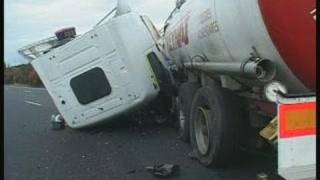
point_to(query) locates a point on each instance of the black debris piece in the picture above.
(163, 170)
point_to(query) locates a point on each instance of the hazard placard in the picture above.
(297, 119)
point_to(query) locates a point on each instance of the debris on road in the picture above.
(262, 176)
(57, 122)
(163, 170)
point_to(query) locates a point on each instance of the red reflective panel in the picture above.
(297, 120)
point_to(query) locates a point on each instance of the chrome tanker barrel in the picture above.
(226, 37)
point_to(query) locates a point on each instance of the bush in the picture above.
(22, 74)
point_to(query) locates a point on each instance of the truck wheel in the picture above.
(185, 95)
(214, 126)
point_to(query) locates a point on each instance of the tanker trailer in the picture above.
(237, 62)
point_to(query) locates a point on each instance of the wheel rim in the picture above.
(202, 130)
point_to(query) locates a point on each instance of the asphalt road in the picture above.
(119, 150)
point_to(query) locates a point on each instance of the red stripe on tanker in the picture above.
(292, 27)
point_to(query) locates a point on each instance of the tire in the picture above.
(184, 101)
(214, 126)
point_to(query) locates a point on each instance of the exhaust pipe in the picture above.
(264, 70)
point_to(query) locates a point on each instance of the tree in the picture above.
(34, 78)
(21, 74)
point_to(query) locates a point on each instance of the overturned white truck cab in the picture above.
(108, 71)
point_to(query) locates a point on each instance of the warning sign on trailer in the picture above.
(297, 119)
(297, 140)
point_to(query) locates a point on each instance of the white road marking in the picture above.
(33, 103)
(27, 91)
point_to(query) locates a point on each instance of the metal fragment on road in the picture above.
(57, 122)
(163, 170)
(262, 176)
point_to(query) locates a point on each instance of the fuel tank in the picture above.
(283, 31)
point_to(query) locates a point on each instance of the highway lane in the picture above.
(108, 152)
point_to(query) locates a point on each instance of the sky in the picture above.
(27, 21)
